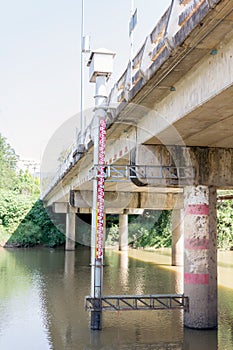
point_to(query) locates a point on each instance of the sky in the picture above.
(40, 49)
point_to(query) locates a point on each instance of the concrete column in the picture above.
(177, 237)
(123, 232)
(200, 256)
(70, 228)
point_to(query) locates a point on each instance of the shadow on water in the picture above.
(55, 283)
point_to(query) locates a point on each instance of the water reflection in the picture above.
(124, 271)
(22, 309)
(179, 282)
(201, 340)
(42, 305)
(69, 264)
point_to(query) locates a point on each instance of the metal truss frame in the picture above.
(124, 173)
(137, 302)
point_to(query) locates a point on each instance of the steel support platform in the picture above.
(124, 173)
(137, 302)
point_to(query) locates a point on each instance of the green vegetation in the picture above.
(152, 229)
(23, 219)
(36, 228)
(225, 224)
(25, 222)
(8, 162)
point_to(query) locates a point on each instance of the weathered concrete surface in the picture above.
(199, 165)
(130, 200)
(200, 256)
(123, 232)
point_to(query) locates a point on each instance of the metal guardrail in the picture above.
(142, 172)
(137, 302)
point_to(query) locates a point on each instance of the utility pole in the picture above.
(132, 24)
(85, 48)
(100, 63)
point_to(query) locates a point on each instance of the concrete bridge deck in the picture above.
(181, 93)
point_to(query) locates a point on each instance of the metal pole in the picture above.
(131, 46)
(81, 75)
(97, 234)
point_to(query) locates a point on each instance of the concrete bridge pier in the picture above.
(200, 256)
(177, 237)
(70, 211)
(70, 228)
(123, 232)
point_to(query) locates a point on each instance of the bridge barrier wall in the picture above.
(180, 19)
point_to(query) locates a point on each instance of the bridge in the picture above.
(169, 145)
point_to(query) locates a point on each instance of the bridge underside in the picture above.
(209, 125)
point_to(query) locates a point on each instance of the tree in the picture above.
(23, 219)
(224, 224)
(8, 163)
(27, 185)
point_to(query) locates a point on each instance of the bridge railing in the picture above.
(124, 173)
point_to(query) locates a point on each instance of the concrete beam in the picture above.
(193, 165)
(60, 207)
(213, 166)
(135, 211)
(209, 166)
(131, 200)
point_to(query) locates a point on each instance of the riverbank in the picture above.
(162, 258)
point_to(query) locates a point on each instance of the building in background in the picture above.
(30, 165)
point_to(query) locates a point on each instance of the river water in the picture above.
(42, 303)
